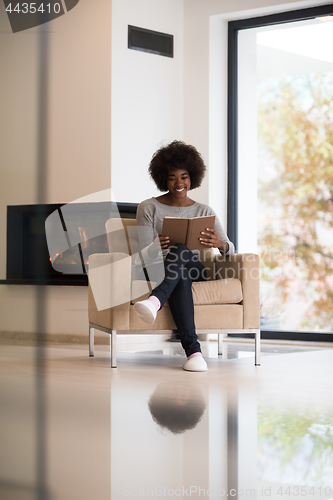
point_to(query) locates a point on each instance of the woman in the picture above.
(177, 168)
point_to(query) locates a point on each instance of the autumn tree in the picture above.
(295, 132)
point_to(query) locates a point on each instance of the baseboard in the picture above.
(64, 338)
(72, 338)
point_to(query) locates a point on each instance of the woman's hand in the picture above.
(164, 241)
(160, 242)
(211, 239)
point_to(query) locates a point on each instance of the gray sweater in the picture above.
(150, 215)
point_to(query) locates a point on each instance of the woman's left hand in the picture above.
(211, 239)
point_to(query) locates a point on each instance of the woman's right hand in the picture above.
(164, 241)
(160, 242)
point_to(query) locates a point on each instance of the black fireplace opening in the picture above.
(77, 231)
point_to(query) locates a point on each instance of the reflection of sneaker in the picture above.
(196, 364)
(146, 311)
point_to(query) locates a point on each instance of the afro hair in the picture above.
(176, 155)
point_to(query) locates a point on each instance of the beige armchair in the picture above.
(227, 303)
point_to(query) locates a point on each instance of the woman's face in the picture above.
(178, 182)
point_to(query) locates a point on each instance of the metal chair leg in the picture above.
(91, 342)
(220, 344)
(113, 347)
(257, 347)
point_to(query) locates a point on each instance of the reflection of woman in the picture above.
(177, 168)
(178, 407)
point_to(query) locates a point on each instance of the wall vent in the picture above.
(150, 41)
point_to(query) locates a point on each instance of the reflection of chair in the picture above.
(227, 303)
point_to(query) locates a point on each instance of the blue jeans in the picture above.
(182, 268)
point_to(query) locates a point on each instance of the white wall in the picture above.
(147, 94)
(247, 142)
(19, 66)
(78, 141)
(19, 83)
(79, 102)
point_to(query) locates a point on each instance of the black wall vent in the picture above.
(150, 41)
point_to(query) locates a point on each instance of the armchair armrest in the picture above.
(245, 267)
(110, 279)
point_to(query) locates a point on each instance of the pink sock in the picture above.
(195, 355)
(155, 301)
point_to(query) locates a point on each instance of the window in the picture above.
(280, 166)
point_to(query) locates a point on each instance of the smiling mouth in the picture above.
(179, 190)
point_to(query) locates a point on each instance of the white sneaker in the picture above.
(196, 364)
(146, 311)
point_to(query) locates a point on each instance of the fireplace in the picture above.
(60, 257)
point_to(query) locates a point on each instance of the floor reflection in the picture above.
(176, 407)
(148, 429)
(237, 431)
(296, 446)
(182, 436)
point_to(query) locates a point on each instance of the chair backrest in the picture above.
(122, 235)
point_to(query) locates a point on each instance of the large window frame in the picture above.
(232, 134)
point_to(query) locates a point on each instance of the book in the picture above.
(187, 230)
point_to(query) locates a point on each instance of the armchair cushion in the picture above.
(228, 291)
(245, 267)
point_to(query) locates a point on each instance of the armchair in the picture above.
(227, 303)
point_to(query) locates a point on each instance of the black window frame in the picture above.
(232, 133)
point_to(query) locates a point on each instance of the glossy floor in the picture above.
(73, 428)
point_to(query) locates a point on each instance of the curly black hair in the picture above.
(176, 155)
